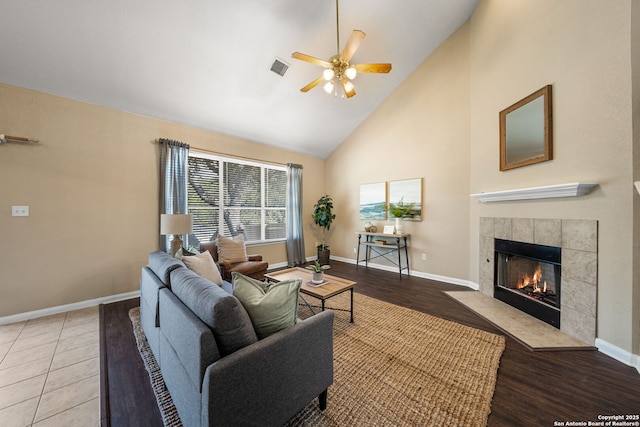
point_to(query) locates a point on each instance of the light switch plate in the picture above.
(19, 210)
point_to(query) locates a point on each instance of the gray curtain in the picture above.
(173, 181)
(295, 237)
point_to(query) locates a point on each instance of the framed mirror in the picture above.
(526, 131)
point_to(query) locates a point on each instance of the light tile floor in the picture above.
(50, 371)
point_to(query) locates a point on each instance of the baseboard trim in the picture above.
(436, 277)
(20, 317)
(618, 353)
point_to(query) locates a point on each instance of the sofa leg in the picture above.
(323, 400)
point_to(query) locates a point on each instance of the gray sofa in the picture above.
(217, 372)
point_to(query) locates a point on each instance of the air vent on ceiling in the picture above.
(279, 67)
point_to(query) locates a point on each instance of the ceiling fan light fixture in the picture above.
(328, 87)
(328, 74)
(348, 86)
(339, 68)
(351, 73)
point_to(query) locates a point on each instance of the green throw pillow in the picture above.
(271, 306)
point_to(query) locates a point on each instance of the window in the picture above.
(232, 196)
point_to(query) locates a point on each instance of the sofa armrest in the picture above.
(225, 268)
(270, 381)
(254, 257)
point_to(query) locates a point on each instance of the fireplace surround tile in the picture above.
(580, 265)
(581, 296)
(522, 229)
(578, 324)
(547, 232)
(579, 242)
(486, 264)
(580, 235)
(503, 228)
(487, 227)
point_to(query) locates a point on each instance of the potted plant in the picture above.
(323, 217)
(400, 210)
(318, 271)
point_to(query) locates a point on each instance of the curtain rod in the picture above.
(9, 138)
(238, 157)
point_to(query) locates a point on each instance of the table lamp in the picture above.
(176, 224)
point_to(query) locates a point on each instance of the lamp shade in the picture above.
(176, 224)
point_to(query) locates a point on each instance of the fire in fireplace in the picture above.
(527, 277)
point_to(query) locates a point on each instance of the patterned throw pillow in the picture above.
(232, 250)
(203, 265)
(271, 306)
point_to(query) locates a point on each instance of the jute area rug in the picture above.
(396, 367)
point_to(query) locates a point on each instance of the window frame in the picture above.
(222, 159)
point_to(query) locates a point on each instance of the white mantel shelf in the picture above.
(572, 189)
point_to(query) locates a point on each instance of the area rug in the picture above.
(399, 367)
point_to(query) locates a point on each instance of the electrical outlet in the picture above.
(424, 257)
(19, 210)
(354, 250)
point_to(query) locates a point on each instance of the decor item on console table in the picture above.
(394, 244)
(399, 211)
(369, 227)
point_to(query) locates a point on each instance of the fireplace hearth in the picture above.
(527, 277)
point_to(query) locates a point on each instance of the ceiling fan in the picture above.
(339, 68)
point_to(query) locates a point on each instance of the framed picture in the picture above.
(373, 201)
(406, 195)
(389, 229)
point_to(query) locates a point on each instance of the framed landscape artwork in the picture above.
(409, 192)
(373, 201)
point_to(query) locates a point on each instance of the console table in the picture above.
(385, 246)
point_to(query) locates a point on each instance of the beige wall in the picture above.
(91, 185)
(420, 131)
(442, 124)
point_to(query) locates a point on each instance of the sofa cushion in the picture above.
(203, 265)
(219, 310)
(232, 250)
(162, 264)
(271, 306)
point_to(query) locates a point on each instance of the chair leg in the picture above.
(323, 400)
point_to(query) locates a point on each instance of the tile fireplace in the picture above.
(571, 280)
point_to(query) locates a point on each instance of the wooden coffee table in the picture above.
(333, 285)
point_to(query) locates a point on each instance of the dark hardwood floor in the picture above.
(123, 378)
(532, 389)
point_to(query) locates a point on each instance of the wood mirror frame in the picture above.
(526, 131)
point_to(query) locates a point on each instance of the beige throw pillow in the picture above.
(203, 265)
(232, 250)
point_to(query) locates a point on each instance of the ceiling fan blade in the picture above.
(372, 68)
(312, 59)
(348, 93)
(352, 44)
(313, 84)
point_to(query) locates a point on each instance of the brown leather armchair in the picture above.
(254, 267)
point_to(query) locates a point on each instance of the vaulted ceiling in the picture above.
(206, 63)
